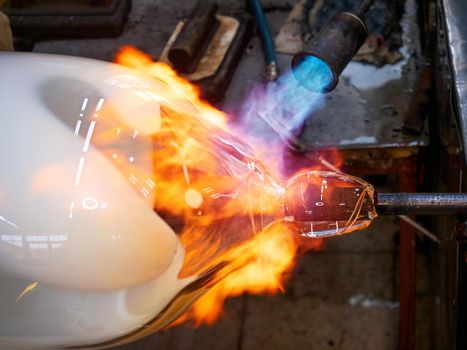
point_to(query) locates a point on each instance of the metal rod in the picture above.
(421, 203)
(196, 33)
(364, 7)
(419, 228)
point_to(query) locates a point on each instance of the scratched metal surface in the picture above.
(455, 25)
(367, 109)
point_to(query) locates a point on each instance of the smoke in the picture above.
(274, 112)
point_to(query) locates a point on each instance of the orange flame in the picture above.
(258, 266)
(213, 227)
(134, 58)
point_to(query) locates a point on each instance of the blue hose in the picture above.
(268, 44)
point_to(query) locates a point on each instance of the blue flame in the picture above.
(284, 105)
(314, 74)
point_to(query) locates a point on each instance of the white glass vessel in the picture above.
(82, 253)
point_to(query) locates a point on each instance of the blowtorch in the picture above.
(334, 47)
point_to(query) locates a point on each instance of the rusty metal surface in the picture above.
(60, 8)
(197, 32)
(215, 51)
(408, 171)
(73, 19)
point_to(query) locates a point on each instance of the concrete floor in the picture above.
(344, 297)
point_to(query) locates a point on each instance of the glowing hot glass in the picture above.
(321, 203)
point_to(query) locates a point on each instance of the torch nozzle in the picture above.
(335, 45)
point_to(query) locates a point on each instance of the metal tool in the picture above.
(335, 45)
(389, 204)
(190, 44)
(351, 208)
(323, 203)
(206, 47)
(421, 203)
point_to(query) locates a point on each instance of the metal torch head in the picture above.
(318, 67)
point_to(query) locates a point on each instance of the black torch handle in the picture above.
(421, 203)
(364, 7)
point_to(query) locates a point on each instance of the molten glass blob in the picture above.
(320, 203)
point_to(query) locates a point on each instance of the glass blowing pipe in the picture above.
(420, 203)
